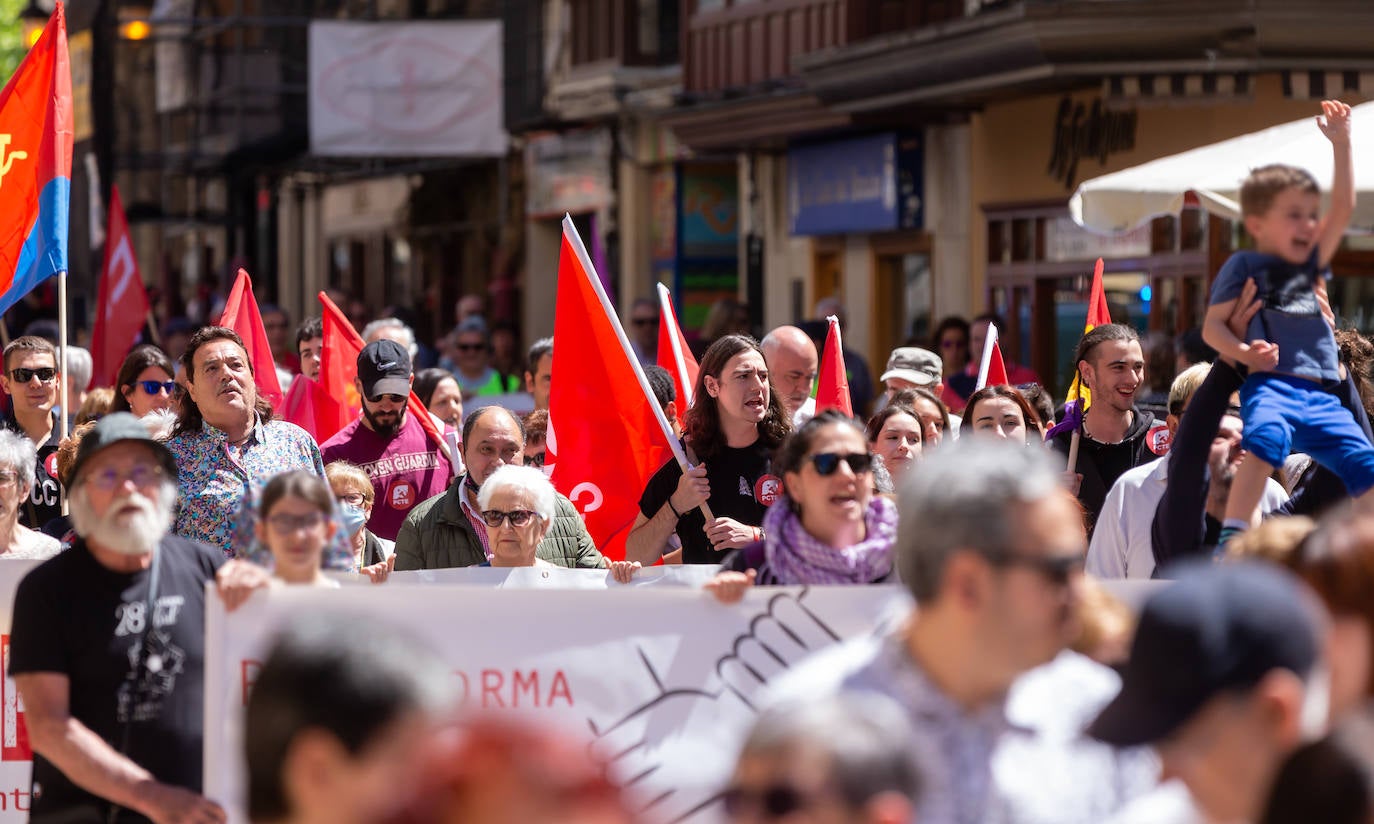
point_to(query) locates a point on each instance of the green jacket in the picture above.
(437, 535)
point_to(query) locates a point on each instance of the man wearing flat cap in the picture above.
(108, 639)
(1224, 681)
(389, 445)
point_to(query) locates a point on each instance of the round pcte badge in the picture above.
(768, 489)
(401, 495)
(1159, 439)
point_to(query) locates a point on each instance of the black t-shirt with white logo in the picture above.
(742, 488)
(78, 618)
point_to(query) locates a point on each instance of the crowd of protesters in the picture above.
(1021, 690)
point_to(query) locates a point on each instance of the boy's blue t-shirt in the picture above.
(1290, 316)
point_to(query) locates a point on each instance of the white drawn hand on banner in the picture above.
(639, 745)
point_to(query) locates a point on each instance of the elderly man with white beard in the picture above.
(107, 642)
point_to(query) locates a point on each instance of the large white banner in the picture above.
(406, 89)
(15, 757)
(660, 673)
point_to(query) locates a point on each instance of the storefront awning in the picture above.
(1123, 200)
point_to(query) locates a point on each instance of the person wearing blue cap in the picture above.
(1225, 679)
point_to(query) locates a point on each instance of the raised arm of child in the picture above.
(1335, 124)
(1258, 355)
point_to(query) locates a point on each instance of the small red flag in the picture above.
(241, 314)
(992, 370)
(339, 370)
(122, 302)
(311, 408)
(678, 361)
(608, 440)
(832, 392)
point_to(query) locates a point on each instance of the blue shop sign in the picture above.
(865, 184)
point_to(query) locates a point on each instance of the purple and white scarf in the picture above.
(797, 557)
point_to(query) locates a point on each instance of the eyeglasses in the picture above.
(1057, 569)
(827, 462)
(536, 460)
(8, 477)
(645, 321)
(284, 524)
(45, 374)
(155, 387)
(775, 801)
(517, 517)
(470, 347)
(142, 476)
(387, 397)
(351, 498)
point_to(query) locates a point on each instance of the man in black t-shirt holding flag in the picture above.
(108, 639)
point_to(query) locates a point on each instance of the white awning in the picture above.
(1122, 200)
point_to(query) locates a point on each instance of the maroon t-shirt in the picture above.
(405, 470)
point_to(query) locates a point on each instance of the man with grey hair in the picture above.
(841, 758)
(77, 376)
(471, 361)
(108, 638)
(992, 548)
(17, 459)
(392, 329)
(792, 362)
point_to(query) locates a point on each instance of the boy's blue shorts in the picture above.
(1283, 413)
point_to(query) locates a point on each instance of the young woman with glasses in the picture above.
(296, 523)
(829, 527)
(145, 382)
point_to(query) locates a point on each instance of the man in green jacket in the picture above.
(448, 531)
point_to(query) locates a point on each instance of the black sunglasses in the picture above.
(44, 373)
(517, 517)
(776, 801)
(470, 347)
(386, 396)
(645, 321)
(154, 387)
(827, 462)
(1057, 569)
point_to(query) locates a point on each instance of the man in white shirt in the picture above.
(1121, 544)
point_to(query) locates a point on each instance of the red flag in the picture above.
(122, 303)
(339, 370)
(310, 407)
(609, 441)
(832, 392)
(992, 370)
(678, 361)
(36, 134)
(241, 314)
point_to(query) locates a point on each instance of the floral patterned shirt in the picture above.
(219, 484)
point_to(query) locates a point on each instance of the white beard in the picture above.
(135, 533)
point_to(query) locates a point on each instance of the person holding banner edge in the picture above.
(732, 430)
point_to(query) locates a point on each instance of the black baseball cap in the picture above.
(114, 428)
(384, 369)
(1217, 628)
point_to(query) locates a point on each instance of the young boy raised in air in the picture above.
(1291, 352)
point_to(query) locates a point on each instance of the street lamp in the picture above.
(32, 20)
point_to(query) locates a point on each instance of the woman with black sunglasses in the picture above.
(145, 382)
(829, 527)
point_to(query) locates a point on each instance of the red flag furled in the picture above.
(36, 164)
(832, 391)
(992, 370)
(605, 437)
(339, 372)
(122, 303)
(241, 314)
(674, 355)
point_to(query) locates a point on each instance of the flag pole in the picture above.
(988, 343)
(570, 232)
(665, 302)
(62, 354)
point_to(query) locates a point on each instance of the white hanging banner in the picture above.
(430, 89)
(662, 674)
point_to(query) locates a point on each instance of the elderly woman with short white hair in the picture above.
(18, 460)
(517, 504)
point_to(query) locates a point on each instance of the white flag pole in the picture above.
(570, 232)
(665, 304)
(988, 343)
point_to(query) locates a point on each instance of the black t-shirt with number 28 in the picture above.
(75, 617)
(742, 488)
